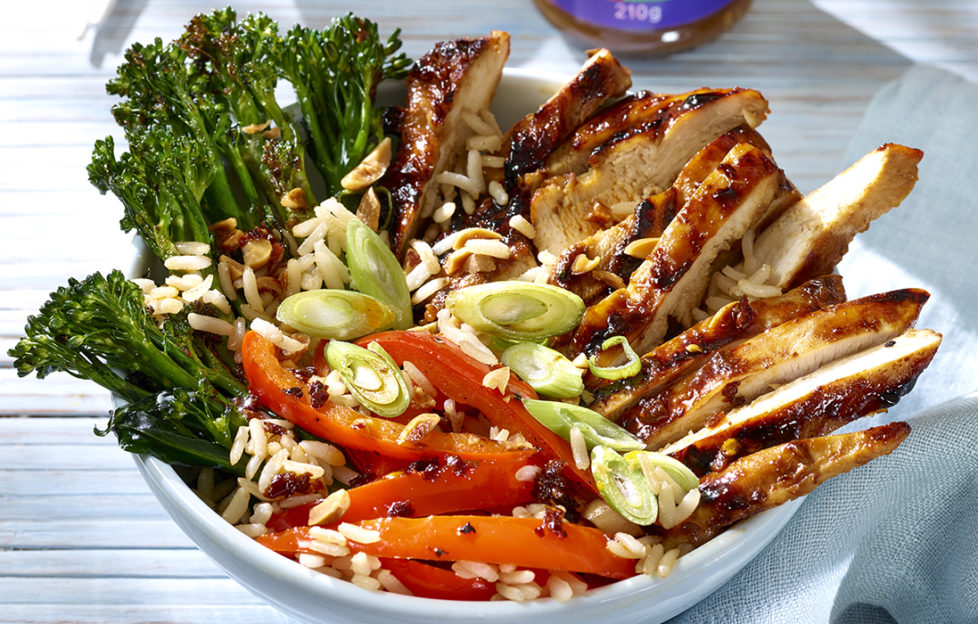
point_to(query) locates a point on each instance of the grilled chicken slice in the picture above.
(736, 375)
(649, 220)
(812, 236)
(777, 475)
(533, 138)
(633, 161)
(454, 77)
(731, 324)
(672, 280)
(813, 405)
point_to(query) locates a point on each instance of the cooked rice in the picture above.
(521, 225)
(527, 473)
(334, 273)
(274, 335)
(210, 324)
(491, 248)
(428, 289)
(391, 583)
(476, 569)
(498, 193)
(237, 506)
(358, 534)
(417, 277)
(579, 448)
(187, 263)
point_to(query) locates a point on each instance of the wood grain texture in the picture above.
(81, 537)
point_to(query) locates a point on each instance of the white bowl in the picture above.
(315, 597)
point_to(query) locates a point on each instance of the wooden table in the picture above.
(81, 537)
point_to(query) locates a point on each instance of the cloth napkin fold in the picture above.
(897, 540)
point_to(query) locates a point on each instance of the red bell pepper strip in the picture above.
(524, 542)
(468, 486)
(459, 377)
(268, 381)
(428, 581)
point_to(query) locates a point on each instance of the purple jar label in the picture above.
(640, 14)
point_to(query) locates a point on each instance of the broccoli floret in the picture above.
(335, 73)
(179, 426)
(98, 329)
(235, 61)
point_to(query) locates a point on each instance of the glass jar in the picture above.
(656, 26)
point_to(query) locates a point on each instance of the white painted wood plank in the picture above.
(246, 610)
(143, 563)
(86, 533)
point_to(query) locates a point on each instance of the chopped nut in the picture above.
(369, 209)
(331, 509)
(474, 233)
(235, 268)
(456, 261)
(694, 348)
(274, 133)
(599, 215)
(256, 252)
(294, 199)
(641, 248)
(582, 264)
(370, 168)
(256, 128)
(418, 428)
(478, 263)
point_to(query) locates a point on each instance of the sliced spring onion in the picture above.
(598, 430)
(547, 371)
(371, 376)
(628, 369)
(517, 310)
(623, 486)
(376, 272)
(683, 476)
(342, 314)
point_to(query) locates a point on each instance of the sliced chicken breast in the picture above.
(737, 375)
(777, 475)
(731, 325)
(607, 248)
(812, 235)
(455, 77)
(672, 280)
(535, 136)
(813, 405)
(635, 161)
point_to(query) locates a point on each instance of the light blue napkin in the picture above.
(897, 540)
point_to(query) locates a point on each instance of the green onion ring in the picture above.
(629, 369)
